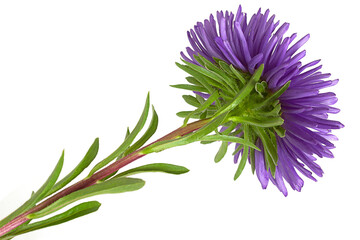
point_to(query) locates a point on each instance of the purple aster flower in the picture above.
(247, 45)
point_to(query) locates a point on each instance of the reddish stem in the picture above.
(101, 174)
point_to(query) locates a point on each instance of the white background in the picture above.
(71, 71)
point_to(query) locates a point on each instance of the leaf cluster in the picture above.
(115, 183)
(253, 112)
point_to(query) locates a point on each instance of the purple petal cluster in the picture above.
(305, 108)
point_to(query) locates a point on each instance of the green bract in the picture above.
(252, 110)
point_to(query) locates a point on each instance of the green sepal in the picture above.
(280, 131)
(191, 100)
(258, 121)
(193, 81)
(200, 99)
(221, 152)
(218, 137)
(213, 97)
(226, 68)
(220, 76)
(260, 88)
(211, 77)
(202, 79)
(84, 163)
(274, 96)
(208, 113)
(245, 153)
(272, 113)
(238, 74)
(270, 148)
(238, 149)
(154, 167)
(39, 194)
(244, 92)
(140, 124)
(75, 212)
(252, 153)
(190, 87)
(117, 185)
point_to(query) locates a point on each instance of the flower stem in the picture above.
(101, 174)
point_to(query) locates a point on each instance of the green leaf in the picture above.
(226, 68)
(211, 77)
(275, 112)
(154, 167)
(245, 153)
(280, 131)
(238, 149)
(244, 92)
(220, 75)
(85, 162)
(193, 137)
(202, 79)
(238, 74)
(213, 97)
(193, 81)
(200, 99)
(218, 137)
(39, 194)
(149, 132)
(209, 113)
(127, 133)
(252, 153)
(269, 147)
(140, 124)
(221, 153)
(258, 121)
(190, 87)
(75, 212)
(208, 128)
(191, 100)
(116, 185)
(274, 96)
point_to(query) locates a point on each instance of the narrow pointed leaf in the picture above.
(225, 67)
(73, 213)
(252, 154)
(271, 155)
(191, 100)
(259, 121)
(193, 81)
(190, 87)
(238, 75)
(39, 194)
(117, 185)
(205, 72)
(127, 133)
(230, 139)
(245, 153)
(244, 92)
(149, 132)
(274, 96)
(201, 78)
(155, 167)
(140, 124)
(221, 153)
(193, 137)
(213, 97)
(85, 162)
(280, 131)
(220, 75)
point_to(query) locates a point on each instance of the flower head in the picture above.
(294, 122)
